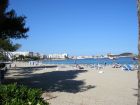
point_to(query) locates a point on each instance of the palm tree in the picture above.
(138, 74)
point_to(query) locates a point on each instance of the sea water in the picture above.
(121, 60)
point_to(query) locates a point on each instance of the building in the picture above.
(57, 56)
(36, 55)
(20, 53)
(31, 54)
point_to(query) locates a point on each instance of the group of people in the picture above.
(34, 63)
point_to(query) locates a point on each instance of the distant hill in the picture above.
(127, 54)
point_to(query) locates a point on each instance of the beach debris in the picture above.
(100, 72)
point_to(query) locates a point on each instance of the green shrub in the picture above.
(2, 57)
(13, 94)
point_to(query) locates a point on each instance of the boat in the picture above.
(112, 58)
(135, 58)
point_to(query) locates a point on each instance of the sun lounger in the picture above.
(134, 67)
(99, 66)
(116, 65)
(127, 68)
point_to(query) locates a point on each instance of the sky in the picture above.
(79, 27)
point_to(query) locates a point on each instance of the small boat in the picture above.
(112, 58)
(135, 58)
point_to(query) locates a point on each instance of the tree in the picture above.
(21, 57)
(138, 74)
(11, 27)
(7, 45)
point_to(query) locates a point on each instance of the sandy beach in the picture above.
(65, 85)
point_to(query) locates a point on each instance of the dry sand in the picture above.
(67, 86)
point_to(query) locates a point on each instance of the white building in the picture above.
(57, 56)
(36, 54)
(20, 53)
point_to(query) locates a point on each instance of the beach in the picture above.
(67, 85)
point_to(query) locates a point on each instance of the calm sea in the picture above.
(122, 60)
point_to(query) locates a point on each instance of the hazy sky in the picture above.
(79, 27)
